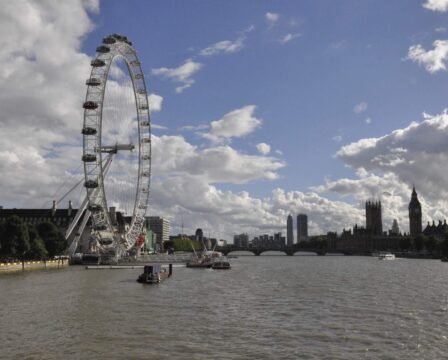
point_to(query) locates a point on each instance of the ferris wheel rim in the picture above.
(95, 167)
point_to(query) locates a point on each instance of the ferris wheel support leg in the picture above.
(74, 244)
(75, 220)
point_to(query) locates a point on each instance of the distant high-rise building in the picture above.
(199, 235)
(415, 215)
(374, 222)
(302, 227)
(161, 227)
(289, 231)
(241, 240)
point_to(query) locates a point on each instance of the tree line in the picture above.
(22, 241)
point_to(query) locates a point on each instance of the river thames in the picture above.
(266, 307)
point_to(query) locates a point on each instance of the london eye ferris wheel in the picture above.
(102, 144)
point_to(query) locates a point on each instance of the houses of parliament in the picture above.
(373, 238)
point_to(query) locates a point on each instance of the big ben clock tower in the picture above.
(415, 215)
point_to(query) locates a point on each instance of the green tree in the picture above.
(15, 241)
(54, 240)
(37, 246)
(182, 244)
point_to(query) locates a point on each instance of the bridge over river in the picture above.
(288, 250)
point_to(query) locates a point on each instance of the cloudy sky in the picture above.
(259, 108)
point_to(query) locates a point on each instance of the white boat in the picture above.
(386, 256)
(221, 263)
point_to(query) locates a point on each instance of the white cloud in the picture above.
(436, 5)
(158, 127)
(359, 108)
(440, 29)
(182, 74)
(415, 154)
(433, 60)
(368, 120)
(288, 37)
(174, 155)
(236, 123)
(263, 148)
(337, 138)
(272, 18)
(193, 127)
(224, 212)
(155, 103)
(225, 46)
(40, 53)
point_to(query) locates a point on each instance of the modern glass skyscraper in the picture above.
(302, 227)
(289, 231)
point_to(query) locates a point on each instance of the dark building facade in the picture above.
(415, 215)
(437, 231)
(374, 222)
(199, 235)
(289, 231)
(302, 227)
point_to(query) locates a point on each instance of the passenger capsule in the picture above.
(146, 140)
(94, 207)
(89, 158)
(135, 63)
(138, 76)
(93, 82)
(144, 123)
(144, 107)
(141, 91)
(91, 184)
(97, 63)
(88, 131)
(109, 40)
(90, 105)
(103, 49)
(146, 157)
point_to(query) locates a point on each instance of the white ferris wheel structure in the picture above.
(98, 155)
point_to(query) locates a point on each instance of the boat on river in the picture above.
(203, 259)
(386, 256)
(154, 274)
(221, 263)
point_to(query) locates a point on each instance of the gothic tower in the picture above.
(415, 215)
(374, 222)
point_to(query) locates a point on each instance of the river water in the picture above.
(266, 307)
